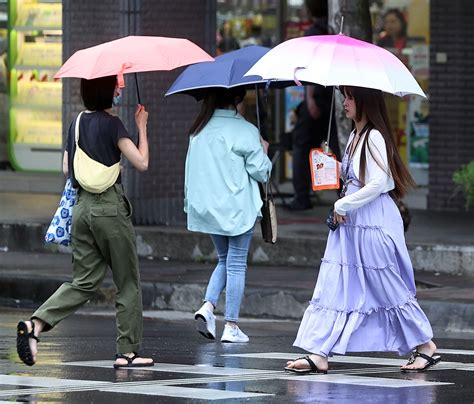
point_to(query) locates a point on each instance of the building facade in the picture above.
(434, 136)
(451, 100)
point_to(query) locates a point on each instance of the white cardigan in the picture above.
(377, 180)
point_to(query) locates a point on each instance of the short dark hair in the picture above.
(317, 8)
(97, 94)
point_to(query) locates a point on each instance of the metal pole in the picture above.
(138, 90)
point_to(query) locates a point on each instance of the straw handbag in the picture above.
(269, 217)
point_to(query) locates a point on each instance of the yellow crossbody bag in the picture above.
(93, 176)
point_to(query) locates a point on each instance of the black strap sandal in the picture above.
(312, 367)
(23, 342)
(130, 360)
(430, 362)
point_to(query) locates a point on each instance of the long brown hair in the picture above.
(371, 103)
(216, 98)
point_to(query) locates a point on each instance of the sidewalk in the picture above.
(176, 264)
(281, 292)
(437, 242)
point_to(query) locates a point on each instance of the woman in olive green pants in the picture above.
(102, 231)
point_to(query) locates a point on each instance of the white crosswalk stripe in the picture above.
(365, 381)
(360, 360)
(184, 392)
(206, 374)
(178, 368)
(455, 352)
(13, 380)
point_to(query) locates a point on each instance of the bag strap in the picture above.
(76, 130)
(268, 187)
(265, 190)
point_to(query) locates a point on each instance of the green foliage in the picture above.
(464, 178)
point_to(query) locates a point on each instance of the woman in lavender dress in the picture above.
(364, 299)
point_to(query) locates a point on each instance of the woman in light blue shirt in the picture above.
(226, 157)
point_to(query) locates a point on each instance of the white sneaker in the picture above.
(206, 322)
(232, 334)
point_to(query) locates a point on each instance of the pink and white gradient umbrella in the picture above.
(333, 60)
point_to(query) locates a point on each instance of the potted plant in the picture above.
(464, 179)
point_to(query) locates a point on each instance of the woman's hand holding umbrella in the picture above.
(138, 155)
(141, 120)
(141, 117)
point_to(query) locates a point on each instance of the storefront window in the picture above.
(243, 23)
(246, 22)
(297, 21)
(3, 85)
(402, 26)
(34, 55)
(267, 23)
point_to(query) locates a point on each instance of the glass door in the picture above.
(35, 54)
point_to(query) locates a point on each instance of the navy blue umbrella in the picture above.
(226, 72)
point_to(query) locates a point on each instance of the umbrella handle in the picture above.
(139, 101)
(257, 101)
(326, 147)
(138, 90)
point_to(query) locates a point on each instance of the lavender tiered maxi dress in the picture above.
(364, 299)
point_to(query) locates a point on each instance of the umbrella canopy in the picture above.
(227, 71)
(132, 54)
(333, 60)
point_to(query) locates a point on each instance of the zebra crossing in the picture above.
(202, 381)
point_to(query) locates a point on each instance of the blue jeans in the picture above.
(229, 272)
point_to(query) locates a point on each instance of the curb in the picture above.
(449, 316)
(171, 243)
(23, 291)
(270, 303)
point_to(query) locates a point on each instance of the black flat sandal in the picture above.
(23, 342)
(430, 362)
(130, 363)
(312, 367)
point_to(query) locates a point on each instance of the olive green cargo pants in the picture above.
(102, 236)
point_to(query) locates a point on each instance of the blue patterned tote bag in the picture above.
(59, 231)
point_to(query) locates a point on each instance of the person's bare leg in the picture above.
(428, 348)
(320, 361)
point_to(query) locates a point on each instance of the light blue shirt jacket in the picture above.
(224, 162)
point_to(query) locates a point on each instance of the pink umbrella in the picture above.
(132, 54)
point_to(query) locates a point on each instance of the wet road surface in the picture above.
(75, 366)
